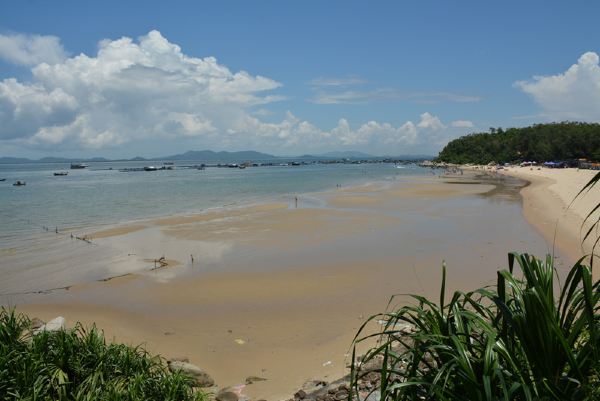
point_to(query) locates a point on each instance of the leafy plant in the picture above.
(78, 364)
(595, 221)
(521, 340)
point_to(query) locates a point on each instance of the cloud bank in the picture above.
(31, 50)
(149, 90)
(572, 95)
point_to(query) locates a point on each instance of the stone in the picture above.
(300, 394)
(56, 324)
(374, 396)
(341, 395)
(406, 328)
(253, 379)
(313, 386)
(179, 359)
(226, 395)
(36, 323)
(200, 377)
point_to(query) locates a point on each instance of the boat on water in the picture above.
(2, 179)
(150, 168)
(59, 173)
(19, 183)
(76, 166)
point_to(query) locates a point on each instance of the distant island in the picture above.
(540, 142)
(211, 156)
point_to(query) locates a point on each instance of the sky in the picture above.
(152, 78)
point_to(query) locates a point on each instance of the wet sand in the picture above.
(279, 292)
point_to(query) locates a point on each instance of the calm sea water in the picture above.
(34, 260)
(99, 195)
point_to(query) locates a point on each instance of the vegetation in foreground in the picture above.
(78, 364)
(540, 142)
(518, 341)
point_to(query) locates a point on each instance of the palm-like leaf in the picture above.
(517, 341)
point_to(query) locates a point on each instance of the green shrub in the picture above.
(521, 340)
(78, 364)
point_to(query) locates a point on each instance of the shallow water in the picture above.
(34, 257)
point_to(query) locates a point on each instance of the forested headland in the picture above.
(540, 142)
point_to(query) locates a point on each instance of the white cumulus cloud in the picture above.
(31, 50)
(462, 124)
(573, 94)
(148, 89)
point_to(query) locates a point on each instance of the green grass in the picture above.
(78, 364)
(519, 340)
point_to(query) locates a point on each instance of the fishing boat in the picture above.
(61, 173)
(76, 166)
(2, 179)
(150, 168)
(19, 183)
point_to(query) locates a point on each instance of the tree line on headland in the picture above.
(540, 142)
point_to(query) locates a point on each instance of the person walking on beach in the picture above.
(296, 200)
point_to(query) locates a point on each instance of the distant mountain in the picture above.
(209, 155)
(350, 154)
(202, 155)
(15, 160)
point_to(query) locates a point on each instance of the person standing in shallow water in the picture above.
(296, 201)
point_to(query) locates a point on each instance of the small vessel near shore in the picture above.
(78, 166)
(61, 173)
(19, 183)
(2, 179)
(150, 168)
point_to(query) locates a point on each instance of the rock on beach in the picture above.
(56, 324)
(200, 377)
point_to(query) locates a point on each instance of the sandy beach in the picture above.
(550, 205)
(278, 292)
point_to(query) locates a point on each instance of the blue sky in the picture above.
(380, 77)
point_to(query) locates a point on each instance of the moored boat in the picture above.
(76, 166)
(19, 183)
(58, 173)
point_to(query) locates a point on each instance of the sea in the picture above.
(105, 195)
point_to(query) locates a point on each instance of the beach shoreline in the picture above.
(550, 204)
(286, 289)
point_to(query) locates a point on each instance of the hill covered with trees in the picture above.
(540, 142)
